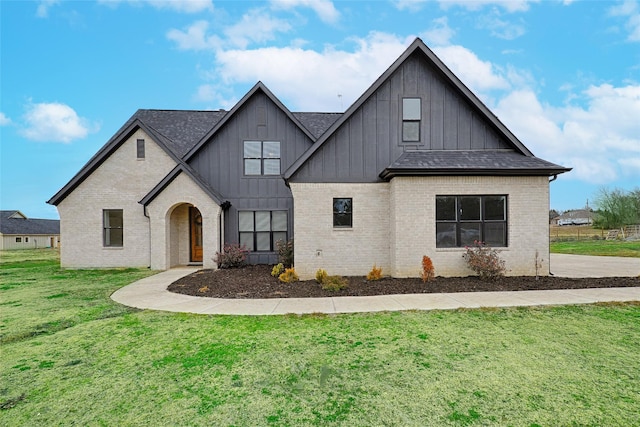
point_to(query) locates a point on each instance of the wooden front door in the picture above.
(195, 225)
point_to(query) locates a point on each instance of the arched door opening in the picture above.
(195, 233)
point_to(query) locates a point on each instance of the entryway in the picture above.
(195, 227)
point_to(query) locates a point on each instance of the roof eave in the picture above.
(389, 173)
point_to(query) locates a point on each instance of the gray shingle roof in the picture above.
(317, 123)
(28, 226)
(469, 162)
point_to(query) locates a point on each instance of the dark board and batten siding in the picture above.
(220, 163)
(371, 139)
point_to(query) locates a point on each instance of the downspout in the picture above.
(144, 211)
(549, 204)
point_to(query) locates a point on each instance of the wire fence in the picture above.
(565, 233)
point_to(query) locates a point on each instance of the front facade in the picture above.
(416, 166)
(19, 232)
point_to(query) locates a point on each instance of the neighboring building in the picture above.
(416, 166)
(19, 232)
(576, 217)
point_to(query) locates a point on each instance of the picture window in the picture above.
(463, 220)
(260, 230)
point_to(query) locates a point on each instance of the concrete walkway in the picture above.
(151, 293)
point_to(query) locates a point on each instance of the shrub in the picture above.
(285, 252)
(321, 276)
(289, 276)
(428, 272)
(375, 273)
(277, 270)
(232, 256)
(334, 283)
(484, 260)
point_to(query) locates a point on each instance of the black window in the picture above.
(342, 212)
(112, 227)
(411, 116)
(462, 220)
(261, 157)
(260, 230)
(18, 239)
(140, 148)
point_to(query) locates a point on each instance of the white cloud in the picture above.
(501, 28)
(4, 120)
(600, 140)
(195, 38)
(480, 76)
(255, 26)
(183, 6)
(288, 71)
(508, 5)
(325, 9)
(631, 10)
(439, 34)
(54, 122)
(43, 8)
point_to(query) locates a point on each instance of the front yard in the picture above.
(72, 356)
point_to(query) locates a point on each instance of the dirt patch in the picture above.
(256, 282)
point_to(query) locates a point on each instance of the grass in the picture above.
(99, 363)
(597, 247)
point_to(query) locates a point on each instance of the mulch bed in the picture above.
(255, 281)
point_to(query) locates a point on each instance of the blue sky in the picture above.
(563, 75)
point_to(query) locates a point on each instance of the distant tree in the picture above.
(617, 208)
(553, 213)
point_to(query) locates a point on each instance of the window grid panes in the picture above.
(112, 227)
(260, 230)
(411, 116)
(463, 220)
(140, 148)
(261, 157)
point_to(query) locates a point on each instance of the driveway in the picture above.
(594, 266)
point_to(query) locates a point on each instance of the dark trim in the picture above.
(390, 173)
(168, 179)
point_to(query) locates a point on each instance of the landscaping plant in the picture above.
(428, 272)
(277, 270)
(285, 252)
(289, 276)
(375, 273)
(484, 260)
(321, 276)
(232, 256)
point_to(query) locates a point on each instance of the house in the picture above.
(576, 217)
(417, 166)
(19, 232)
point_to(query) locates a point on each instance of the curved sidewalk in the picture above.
(151, 293)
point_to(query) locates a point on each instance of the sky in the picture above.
(562, 75)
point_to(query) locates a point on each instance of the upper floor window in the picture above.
(261, 158)
(462, 220)
(112, 227)
(342, 213)
(411, 115)
(140, 148)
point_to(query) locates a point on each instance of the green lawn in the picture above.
(597, 247)
(71, 356)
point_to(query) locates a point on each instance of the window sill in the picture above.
(463, 249)
(342, 228)
(113, 248)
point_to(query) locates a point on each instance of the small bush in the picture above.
(277, 270)
(321, 276)
(232, 256)
(428, 272)
(285, 252)
(334, 283)
(289, 276)
(484, 260)
(375, 273)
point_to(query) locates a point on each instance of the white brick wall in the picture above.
(119, 183)
(338, 250)
(394, 225)
(169, 215)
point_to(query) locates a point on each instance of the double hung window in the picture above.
(112, 228)
(261, 157)
(462, 220)
(411, 116)
(342, 212)
(260, 230)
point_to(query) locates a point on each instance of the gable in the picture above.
(258, 117)
(368, 138)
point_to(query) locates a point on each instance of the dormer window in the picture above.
(411, 116)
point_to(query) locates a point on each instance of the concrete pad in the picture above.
(580, 266)
(366, 304)
(304, 306)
